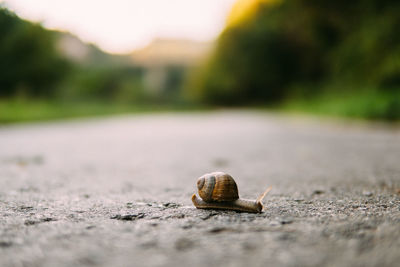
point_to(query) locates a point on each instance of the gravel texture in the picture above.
(116, 192)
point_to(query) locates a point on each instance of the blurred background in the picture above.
(61, 59)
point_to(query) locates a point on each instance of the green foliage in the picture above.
(371, 104)
(313, 55)
(123, 83)
(305, 44)
(34, 64)
(30, 64)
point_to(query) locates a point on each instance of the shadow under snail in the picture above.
(218, 190)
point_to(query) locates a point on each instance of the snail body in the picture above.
(218, 190)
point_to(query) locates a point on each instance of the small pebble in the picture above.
(30, 222)
(25, 208)
(187, 226)
(218, 229)
(208, 215)
(274, 223)
(170, 205)
(318, 192)
(286, 220)
(5, 244)
(183, 244)
(48, 219)
(33, 222)
(176, 216)
(128, 217)
(367, 193)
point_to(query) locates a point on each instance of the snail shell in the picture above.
(218, 190)
(217, 186)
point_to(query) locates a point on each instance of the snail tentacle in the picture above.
(261, 197)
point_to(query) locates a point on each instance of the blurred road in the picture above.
(116, 192)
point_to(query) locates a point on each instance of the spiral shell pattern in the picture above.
(217, 186)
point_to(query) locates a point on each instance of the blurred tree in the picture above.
(271, 47)
(30, 64)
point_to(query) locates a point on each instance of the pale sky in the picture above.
(120, 26)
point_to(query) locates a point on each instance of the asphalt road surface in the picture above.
(116, 192)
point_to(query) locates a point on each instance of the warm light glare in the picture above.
(122, 25)
(243, 9)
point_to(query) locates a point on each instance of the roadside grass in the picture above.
(370, 105)
(16, 110)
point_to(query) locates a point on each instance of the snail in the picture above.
(218, 190)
